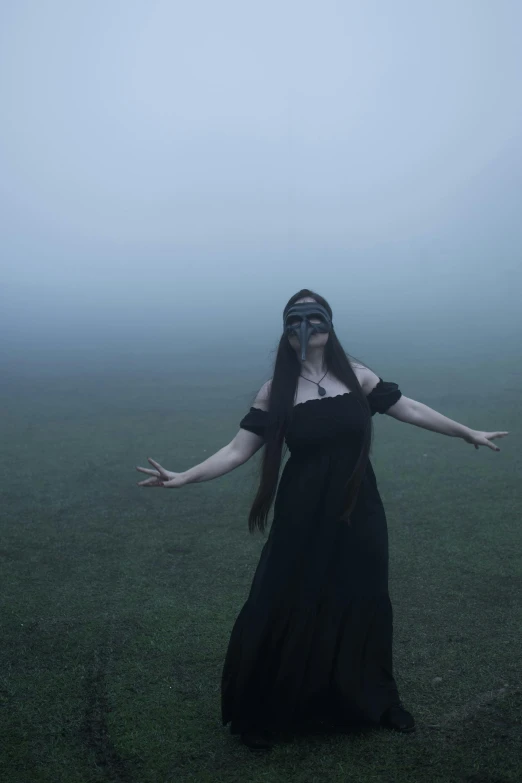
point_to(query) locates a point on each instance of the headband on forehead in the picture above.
(306, 309)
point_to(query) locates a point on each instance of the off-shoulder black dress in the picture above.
(314, 637)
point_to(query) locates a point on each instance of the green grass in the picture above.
(117, 602)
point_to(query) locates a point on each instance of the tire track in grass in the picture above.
(94, 731)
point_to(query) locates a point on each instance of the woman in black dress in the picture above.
(314, 638)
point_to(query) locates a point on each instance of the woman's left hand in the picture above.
(477, 438)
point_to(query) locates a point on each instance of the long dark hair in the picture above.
(285, 377)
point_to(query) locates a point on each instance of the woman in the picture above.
(314, 638)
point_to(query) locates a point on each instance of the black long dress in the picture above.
(314, 637)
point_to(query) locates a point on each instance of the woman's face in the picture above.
(317, 340)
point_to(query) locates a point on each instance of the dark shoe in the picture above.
(257, 740)
(398, 719)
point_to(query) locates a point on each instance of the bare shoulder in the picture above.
(366, 377)
(263, 396)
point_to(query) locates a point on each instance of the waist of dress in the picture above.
(333, 449)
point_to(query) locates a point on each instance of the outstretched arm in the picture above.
(230, 457)
(414, 412)
(421, 415)
(243, 446)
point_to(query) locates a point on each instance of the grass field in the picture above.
(117, 602)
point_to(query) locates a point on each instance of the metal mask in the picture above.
(296, 321)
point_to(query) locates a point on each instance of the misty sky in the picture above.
(173, 163)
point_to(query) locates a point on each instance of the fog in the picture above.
(173, 172)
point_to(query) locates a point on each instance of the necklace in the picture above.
(321, 390)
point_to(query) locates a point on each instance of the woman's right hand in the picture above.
(160, 477)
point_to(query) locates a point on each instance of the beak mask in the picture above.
(297, 320)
